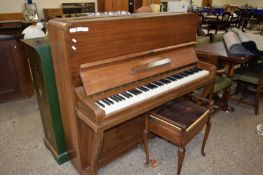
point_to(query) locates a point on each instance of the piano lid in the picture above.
(93, 40)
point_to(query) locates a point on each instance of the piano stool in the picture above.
(178, 121)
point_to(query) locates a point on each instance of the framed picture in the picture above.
(30, 12)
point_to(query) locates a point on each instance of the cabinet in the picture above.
(52, 13)
(116, 5)
(149, 2)
(40, 61)
(15, 79)
(119, 5)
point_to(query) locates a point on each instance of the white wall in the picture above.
(254, 3)
(221, 3)
(17, 6)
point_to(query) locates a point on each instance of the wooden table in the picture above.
(219, 49)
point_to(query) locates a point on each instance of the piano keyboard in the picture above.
(133, 96)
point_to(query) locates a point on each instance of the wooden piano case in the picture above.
(89, 56)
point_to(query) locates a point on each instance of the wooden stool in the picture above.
(178, 121)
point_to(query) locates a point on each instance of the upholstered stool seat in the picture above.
(178, 121)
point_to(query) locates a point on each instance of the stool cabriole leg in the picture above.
(207, 130)
(181, 154)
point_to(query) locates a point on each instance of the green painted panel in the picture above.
(45, 86)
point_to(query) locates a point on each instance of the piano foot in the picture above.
(90, 171)
(90, 147)
(145, 142)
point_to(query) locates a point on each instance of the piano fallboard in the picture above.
(132, 110)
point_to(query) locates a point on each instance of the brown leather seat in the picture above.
(178, 121)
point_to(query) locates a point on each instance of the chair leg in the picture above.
(145, 141)
(181, 154)
(257, 101)
(207, 130)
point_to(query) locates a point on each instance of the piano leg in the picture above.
(90, 144)
(145, 141)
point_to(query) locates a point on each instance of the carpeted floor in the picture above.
(233, 147)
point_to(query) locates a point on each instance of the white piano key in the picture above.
(149, 94)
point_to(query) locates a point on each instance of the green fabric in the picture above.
(218, 37)
(202, 40)
(221, 83)
(247, 74)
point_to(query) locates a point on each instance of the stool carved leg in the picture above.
(145, 141)
(181, 154)
(207, 130)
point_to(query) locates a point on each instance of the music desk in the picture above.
(219, 49)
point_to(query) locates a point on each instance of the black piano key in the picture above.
(189, 72)
(106, 102)
(197, 69)
(117, 97)
(173, 78)
(186, 73)
(158, 83)
(120, 97)
(100, 104)
(181, 74)
(149, 86)
(138, 91)
(142, 89)
(111, 102)
(177, 76)
(165, 81)
(125, 95)
(132, 92)
(170, 78)
(113, 98)
(153, 86)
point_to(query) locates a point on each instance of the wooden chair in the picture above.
(178, 121)
(252, 78)
(223, 22)
(222, 82)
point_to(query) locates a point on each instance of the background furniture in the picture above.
(119, 5)
(222, 82)
(50, 13)
(252, 79)
(15, 79)
(219, 49)
(39, 54)
(178, 121)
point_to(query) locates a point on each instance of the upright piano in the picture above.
(111, 70)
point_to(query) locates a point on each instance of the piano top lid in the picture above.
(108, 75)
(63, 22)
